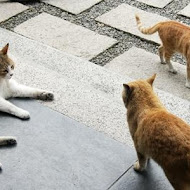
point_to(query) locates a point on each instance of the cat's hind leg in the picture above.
(168, 56)
(141, 164)
(161, 54)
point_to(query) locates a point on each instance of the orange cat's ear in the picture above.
(5, 49)
(127, 88)
(151, 79)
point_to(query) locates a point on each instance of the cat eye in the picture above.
(6, 71)
(12, 67)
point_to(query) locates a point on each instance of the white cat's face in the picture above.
(9, 72)
(6, 64)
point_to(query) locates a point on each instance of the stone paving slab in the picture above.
(123, 18)
(8, 10)
(138, 63)
(156, 3)
(65, 36)
(185, 11)
(73, 6)
(84, 91)
(56, 152)
(151, 179)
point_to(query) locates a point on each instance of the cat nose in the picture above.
(11, 74)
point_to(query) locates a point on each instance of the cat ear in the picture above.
(127, 88)
(151, 79)
(5, 49)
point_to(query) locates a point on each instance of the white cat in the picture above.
(10, 88)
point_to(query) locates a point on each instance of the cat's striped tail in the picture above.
(150, 30)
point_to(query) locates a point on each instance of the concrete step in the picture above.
(138, 63)
(83, 91)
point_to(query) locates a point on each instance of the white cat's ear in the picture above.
(5, 49)
(151, 79)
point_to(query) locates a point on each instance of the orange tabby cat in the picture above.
(175, 37)
(157, 134)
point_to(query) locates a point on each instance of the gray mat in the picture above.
(152, 178)
(56, 152)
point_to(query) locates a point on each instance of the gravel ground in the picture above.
(87, 19)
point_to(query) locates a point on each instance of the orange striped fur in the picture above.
(175, 37)
(157, 134)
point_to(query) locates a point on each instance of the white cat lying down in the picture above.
(10, 88)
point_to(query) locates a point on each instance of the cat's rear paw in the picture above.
(24, 115)
(46, 96)
(11, 141)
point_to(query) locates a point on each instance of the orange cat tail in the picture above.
(150, 30)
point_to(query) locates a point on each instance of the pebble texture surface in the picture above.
(73, 6)
(156, 3)
(185, 11)
(123, 18)
(65, 36)
(138, 63)
(8, 10)
(84, 91)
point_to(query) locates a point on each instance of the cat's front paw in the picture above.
(137, 167)
(46, 96)
(24, 114)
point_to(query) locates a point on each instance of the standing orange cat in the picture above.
(157, 134)
(175, 37)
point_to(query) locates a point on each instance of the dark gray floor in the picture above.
(56, 152)
(151, 179)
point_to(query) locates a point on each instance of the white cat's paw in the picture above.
(173, 71)
(46, 96)
(24, 114)
(11, 140)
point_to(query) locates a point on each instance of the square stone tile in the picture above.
(65, 36)
(185, 11)
(123, 18)
(151, 179)
(73, 6)
(138, 63)
(156, 3)
(56, 152)
(8, 10)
